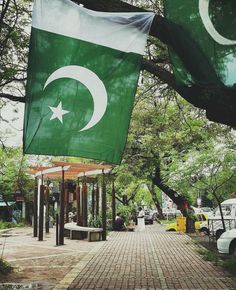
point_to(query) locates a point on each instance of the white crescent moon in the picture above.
(93, 84)
(204, 13)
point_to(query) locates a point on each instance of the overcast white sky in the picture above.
(13, 132)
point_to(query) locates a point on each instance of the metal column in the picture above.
(104, 205)
(62, 209)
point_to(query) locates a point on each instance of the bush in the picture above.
(230, 264)
(6, 225)
(5, 267)
(127, 212)
(95, 222)
(211, 256)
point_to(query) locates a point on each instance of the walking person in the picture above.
(140, 218)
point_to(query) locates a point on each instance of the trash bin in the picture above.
(181, 224)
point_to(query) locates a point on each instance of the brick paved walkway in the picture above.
(40, 265)
(153, 259)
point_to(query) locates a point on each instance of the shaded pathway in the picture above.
(39, 265)
(153, 259)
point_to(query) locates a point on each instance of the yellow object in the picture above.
(181, 224)
(200, 218)
(171, 227)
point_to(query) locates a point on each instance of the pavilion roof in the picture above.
(72, 170)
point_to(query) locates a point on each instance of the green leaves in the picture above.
(210, 172)
(169, 133)
(13, 172)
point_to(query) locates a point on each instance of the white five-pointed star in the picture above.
(58, 112)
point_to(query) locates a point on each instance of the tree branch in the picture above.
(177, 199)
(12, 98)
(219, 103)
(217, 100)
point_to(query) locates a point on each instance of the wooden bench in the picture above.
(76, 232)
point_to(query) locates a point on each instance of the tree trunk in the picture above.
(181, 202)
(220, 208)
(155, 200)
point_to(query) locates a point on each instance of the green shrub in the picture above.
(6, 225)
(128, 212)
(230, 264)
(5, 267)
(211, 256)
(21, 224)
(95, 222)
(201, 251)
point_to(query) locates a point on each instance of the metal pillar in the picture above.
(66, 203)
(35, 207)
(47, 208)
(41, 211)
(57, 225)
(113, 204)
(104, 205)
(93, 201)
(78, 205)
(62, 209)
(97, 201)
(84, 204)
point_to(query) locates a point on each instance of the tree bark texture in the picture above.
(156, 201)
(180, 201)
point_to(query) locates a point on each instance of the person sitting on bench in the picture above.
(119, 223)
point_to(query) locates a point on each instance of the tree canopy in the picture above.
(13, 173)
(219, 107)
(166, 130)
(14, 23)
(14, 27)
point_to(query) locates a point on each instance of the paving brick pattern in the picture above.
(40, 265)
(152, 259)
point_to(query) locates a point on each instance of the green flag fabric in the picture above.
(82, 77)
(210, 25)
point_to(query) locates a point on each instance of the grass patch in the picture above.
(5, 225)
(9, 225)
(211, 256)
(227, 262)
(5, 267)
(201, 251)
(230, 264)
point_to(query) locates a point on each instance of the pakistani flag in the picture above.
(207, 28)
(82, 77)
